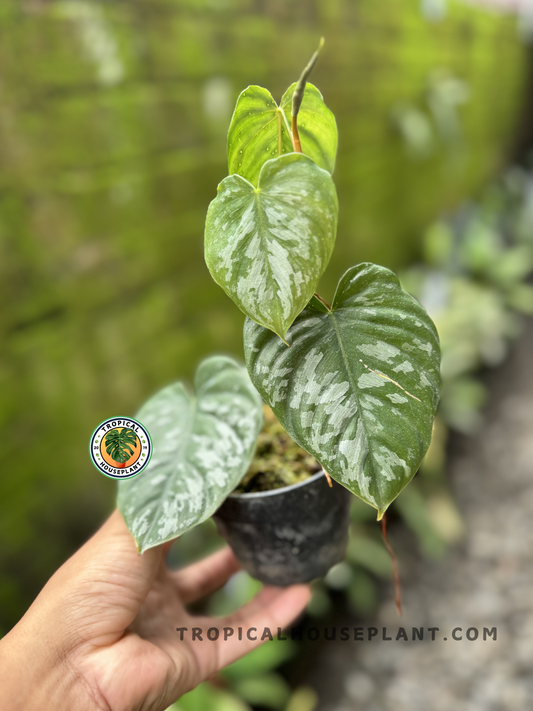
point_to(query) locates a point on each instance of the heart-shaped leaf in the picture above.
(260, 130)
(267, 247)
(317, 127)
(359, 386)
(202, 447)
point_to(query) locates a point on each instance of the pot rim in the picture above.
(277, 492)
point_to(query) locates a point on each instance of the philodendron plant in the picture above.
(356, 384)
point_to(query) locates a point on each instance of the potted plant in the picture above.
(355, 384)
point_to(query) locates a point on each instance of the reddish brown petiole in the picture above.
(295, 135)
(323, 301)
(397, 585)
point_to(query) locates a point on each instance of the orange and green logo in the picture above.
(120, 447)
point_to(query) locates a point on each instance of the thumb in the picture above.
(102, 586)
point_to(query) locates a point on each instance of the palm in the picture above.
(150, 645)
(131, 654)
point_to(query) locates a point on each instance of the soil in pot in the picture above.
(284, 523)
(278, 460)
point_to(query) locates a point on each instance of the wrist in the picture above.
(35, 675)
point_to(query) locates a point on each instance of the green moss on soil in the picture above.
(278, 460)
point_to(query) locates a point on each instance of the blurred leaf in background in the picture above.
(475, 285)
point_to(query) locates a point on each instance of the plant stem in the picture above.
(289, 132)
(296, 136)
(322, 301)
(298, 96)
(390, 550)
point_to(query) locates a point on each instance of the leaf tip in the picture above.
(282, 335)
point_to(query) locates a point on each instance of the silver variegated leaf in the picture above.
(202, 447)
(359, 386)
(267, 247)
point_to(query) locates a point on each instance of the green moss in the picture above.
(278, 460)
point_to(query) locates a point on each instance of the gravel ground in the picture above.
(486, 582)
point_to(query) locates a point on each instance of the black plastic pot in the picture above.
(288, 535)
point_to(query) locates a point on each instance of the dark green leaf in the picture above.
(359, 385)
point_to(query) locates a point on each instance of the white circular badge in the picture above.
(120, 447)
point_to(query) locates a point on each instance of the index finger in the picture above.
(206, 576)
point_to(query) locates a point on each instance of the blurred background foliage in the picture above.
(113, 120)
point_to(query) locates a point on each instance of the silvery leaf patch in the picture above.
(202, 446)
(359, 385)
(261, 130)
(267, 247)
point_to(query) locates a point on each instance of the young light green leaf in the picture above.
(359, 386)
(202, 447)
(267, 247)
(260, 130)
(316, 126)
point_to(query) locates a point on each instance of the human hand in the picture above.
(101, 635)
